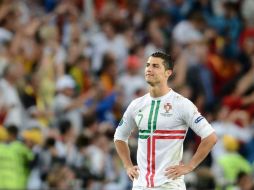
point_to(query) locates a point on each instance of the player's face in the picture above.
(155, 72)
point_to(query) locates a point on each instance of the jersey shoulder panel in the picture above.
(139, 102)
(177, 96)
(183, 105)
(180, 100)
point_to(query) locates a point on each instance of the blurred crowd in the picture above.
(69, 69)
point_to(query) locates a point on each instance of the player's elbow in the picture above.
(213, 138)
(120, 141)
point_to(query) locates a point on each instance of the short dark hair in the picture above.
(167, 60)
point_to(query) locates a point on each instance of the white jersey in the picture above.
(162, 123)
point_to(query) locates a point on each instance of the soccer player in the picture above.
(162, 117)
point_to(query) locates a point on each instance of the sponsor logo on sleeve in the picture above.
(120, 123)
(199, 119)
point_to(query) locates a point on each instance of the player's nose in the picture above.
(148, 69)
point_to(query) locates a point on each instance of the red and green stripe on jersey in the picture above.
(152, 135)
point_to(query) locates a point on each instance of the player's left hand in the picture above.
(174, 172)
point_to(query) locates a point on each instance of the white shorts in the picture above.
(166, 186)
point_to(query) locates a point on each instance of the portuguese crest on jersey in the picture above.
(167, 107)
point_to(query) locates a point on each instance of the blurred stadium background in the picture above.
(69, 68)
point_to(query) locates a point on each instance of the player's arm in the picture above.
(124, 153)
(203, 149)
(203, 129)
(121, 136)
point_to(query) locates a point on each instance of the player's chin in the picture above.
(147, 79)
(151, 83)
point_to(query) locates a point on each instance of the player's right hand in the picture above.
(133, 172)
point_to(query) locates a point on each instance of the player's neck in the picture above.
(158, 91)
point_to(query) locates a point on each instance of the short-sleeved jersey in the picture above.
(162, 123)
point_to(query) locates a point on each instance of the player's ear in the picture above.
(168, 73)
